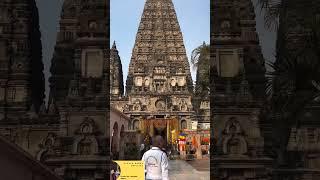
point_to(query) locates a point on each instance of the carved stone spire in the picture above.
(22, 77)
(81, 50)
(158, 71)
(114, 46)
(116, 74)
(159, 43)
(52, 109)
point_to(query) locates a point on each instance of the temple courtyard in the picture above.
(189, 170)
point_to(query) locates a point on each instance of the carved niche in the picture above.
(183, 105)
(181, 81)
(160, 105)
(173, 82)
(225, 24)
(46, 147)
(137, 106)
(92, 63)
(233, 141)
(138, 81)
(229, 63)
(87, 127)
(84, 146)
(147, 82)
(85, 143)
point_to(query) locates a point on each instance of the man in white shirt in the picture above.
(156, 161)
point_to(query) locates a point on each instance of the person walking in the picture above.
(156, 161)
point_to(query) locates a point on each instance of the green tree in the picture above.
(295, 75)
(200, 60)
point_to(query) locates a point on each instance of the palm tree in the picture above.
(296, 70)
(272, 12)
(200, 60)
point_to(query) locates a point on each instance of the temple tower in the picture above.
(159, 84)
(21, 76)
(80, 92)
(238, 94)
(116, 75)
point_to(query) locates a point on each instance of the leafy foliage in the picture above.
(200, 59)
(131, 152)
(272, 13)
(293, 82)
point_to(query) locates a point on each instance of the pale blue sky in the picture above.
(193, 17)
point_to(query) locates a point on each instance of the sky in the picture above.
(267, 37)
(193, 17)
(49, 14)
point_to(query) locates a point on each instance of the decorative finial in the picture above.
(52, 107)
(114, 46)
(43, 108)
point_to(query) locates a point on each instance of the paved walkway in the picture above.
(181, 170)
(201, 164)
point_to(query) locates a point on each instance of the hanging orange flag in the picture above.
(194, 141)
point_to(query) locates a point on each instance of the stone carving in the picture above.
(46, 147)
(233, 141)
(137, 106)
(160, 105)
(85, 146)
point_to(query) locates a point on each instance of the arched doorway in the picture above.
(121, 143)
(114, 141)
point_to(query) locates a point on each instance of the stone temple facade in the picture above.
(237, 94)
(70, 135)
(253, 138)
(159, 86)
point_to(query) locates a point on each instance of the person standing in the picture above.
(156, 161)
(142, 149)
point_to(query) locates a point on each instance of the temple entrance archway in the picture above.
(167, 128)
(161, 132)
(114, 141)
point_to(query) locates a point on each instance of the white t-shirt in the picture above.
(156, 164)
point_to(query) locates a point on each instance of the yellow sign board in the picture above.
(131, 170)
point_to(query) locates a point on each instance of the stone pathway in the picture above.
(181, 170)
